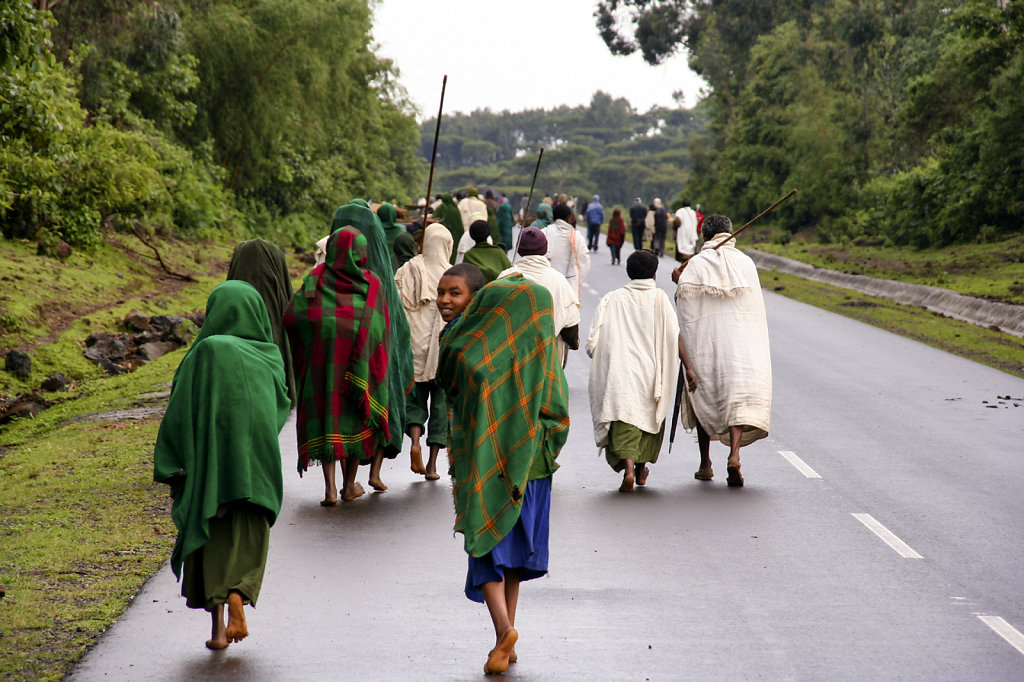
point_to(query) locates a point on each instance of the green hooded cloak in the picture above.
(448, 215)
(401, 245)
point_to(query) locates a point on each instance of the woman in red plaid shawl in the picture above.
(338, 327)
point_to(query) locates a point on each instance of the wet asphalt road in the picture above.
(782, 579)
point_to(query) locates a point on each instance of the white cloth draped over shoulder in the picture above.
(725, 330)
(564, 299)
(635, 360)
(568, 253)
(472, 209)
(417, 287)
(686, 235)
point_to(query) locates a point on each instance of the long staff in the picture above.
(433, 154)
(758, 217)
(675, 408)
(529, 200)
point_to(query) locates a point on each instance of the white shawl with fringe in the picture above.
(723, 324)
(417, 287)
(568, 253)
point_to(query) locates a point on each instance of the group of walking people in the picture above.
(372, 348)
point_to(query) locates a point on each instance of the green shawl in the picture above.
(400, 368)
(508, 405)
(262, 264)
(448, 215)
(489, 258)
(218, 441)
(506, 219)
(401, 245)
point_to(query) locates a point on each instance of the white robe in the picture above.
(686, 234)
(472, 209)
(417, 287)
(724, 327)
(565, 301)
(567, 251)
(635, 359)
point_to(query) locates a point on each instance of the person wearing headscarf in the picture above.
(262, 264)
(447, 213)
(417, 285)
(401, 244)
(339, 327)
(544, 217)
(567, 249)
(533, 264)
(218, 450)
(489, 258)
(400, 366)
(634, 351)
(506, 219)
(508, 401)
(472, 207)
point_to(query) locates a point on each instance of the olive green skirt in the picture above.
(626, 441)
(233, 559)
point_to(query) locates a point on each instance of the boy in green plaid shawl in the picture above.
(509, 415)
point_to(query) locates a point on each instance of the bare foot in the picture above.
(416, 460)
(704, 474)
(217, 644)
(513, 656)
(627, 484)
(356, 491)
(377, 484)
(237, 629)
(641, 475)
(733, 477)
(432, 476)
(498, 658)
(218, 636)
(328, 502)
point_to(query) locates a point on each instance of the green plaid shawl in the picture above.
(507, 401)
(338, 326)
(400, 370)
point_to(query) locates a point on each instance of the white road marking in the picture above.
(887, 536)
(800, 465)
(591, 289)
(1005, 630)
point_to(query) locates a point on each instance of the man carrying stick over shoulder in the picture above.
(723, 343)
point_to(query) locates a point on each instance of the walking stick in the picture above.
(528, 201)
(433, 154)
(759, 216)
(675, 408)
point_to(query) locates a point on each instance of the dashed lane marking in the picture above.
(887, 536)
(800, 465)
(590, 289)
(1005, 630)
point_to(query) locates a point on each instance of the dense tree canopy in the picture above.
(892, 116)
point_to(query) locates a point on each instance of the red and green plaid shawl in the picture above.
(508, 403)
(338, 326)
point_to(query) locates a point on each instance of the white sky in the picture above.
(515, 55)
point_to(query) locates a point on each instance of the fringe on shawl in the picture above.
(686, 289)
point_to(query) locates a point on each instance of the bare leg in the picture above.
(628, 477)
(704, 472)
(330, 489)
(218, 635)
(511, 601)
(505, 634)
(415, 452)
(431, 470)
(734, 479)
(641, 474)
(237, 629)
(352, 489)
(374, 480)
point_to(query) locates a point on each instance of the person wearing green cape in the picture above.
(509, 416)
(506, 219)
(400, 364)
(490, 258)
(401, 244)
(447, 213)
(263, 265)
(217, 448)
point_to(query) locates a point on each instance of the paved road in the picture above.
(782, 579)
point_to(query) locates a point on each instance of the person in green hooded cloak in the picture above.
(447, 213)
(401, 244)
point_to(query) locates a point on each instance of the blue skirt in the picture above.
(524, 549)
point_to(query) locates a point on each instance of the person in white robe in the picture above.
(567, 248)
(472, 208)
(723, 343)
(417, 287)
(533, 264)
(686, 233)
(633, 346)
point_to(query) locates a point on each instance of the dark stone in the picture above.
(19, 364)
(24, 406)
(309, 258)
(197, 317)
(154, 349)
(55, 382)
(63, 250)
(106, 350)
(138, 321)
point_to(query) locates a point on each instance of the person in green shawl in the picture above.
(447, 213)
(401, 244)
(218, 450)
(263, 265)
(544, 216)
(400, 365)
(509, 415)
(506, 219)
(489, 258)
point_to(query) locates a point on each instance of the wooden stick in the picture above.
(529, 199)
(759, 216)
(433, 154)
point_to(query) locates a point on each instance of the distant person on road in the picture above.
(534, 265)
(637, 218)
(401, 243)
(616, 236)
(509, 416)
(633, 345)
(489, 258)
(660, 228)
(472, 207)
(218, 450)
(447, 213)
(544, 217)
(567, 249)
(594, 215)
(723, 343)
(417, 286)
(686, 233)
(506, 219)
(339, 327)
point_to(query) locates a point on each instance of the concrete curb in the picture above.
(1007, 317)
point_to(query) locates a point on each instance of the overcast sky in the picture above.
(516, 54)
